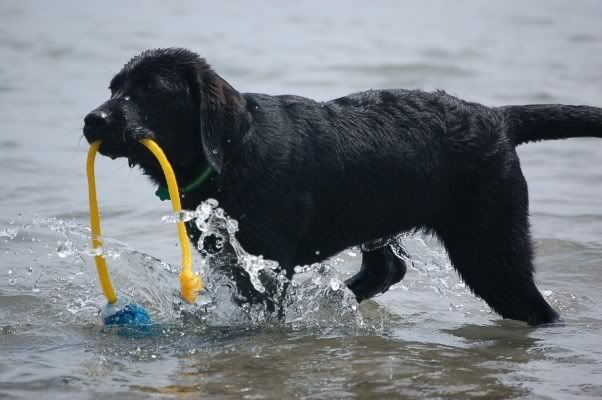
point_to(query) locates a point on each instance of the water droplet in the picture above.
(97, 251)
(232, 226)
(181, 216)
(299, 269)
(214, 151)
(29, 270)
(9, 233)
(203, 212)
(126, 98)
(169, 219)
(64, 249)
(185, 216)
(317, 252)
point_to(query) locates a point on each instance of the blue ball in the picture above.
(124, 312)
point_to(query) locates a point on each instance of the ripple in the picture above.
(529, 20)
(8, 144)
(582, 38)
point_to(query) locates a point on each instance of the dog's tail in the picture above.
(531, 123)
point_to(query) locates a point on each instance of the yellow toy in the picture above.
(120, 310)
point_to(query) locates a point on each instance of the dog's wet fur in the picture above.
(308, 179)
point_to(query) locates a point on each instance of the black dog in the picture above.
(308, 179)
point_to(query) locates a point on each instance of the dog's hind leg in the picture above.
(380, 269)
(489, 243)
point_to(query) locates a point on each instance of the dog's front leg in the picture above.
(381, 268)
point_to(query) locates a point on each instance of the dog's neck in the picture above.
(195, 196)
(195, 184)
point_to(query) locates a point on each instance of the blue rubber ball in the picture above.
(124, 312)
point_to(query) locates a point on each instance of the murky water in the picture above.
(426, 338)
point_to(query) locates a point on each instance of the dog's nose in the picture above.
(96, 119)
(96, 124)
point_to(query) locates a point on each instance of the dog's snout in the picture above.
(96, 124)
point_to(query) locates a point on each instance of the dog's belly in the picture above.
(359, 222)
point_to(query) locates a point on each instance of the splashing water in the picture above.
(316, 295)
(435, 271)
(8, 233)
(50, 260)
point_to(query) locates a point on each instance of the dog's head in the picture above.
(173, 97)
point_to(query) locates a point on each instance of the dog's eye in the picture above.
(150, 86)
(114, 92)
(147, 88)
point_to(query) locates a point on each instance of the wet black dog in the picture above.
(308, 179)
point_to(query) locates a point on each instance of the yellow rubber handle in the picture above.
(101, 264)
(190, 283)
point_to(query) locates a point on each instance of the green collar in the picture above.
(163, 193)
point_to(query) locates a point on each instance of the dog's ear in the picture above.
(224, 118)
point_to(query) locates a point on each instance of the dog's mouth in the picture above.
(139, 157)
(121, 139)
(124, 144)
(113, 150)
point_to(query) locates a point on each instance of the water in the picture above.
(426, 338)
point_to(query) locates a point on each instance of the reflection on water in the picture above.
(428, 337)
